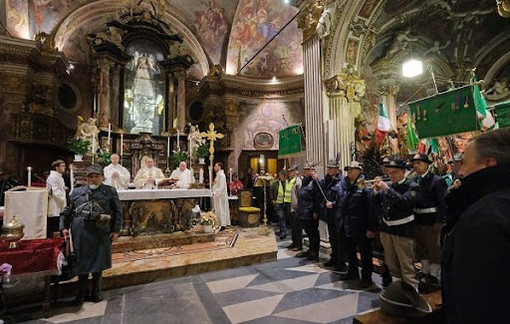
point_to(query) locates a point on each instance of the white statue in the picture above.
(324, 23)
(194, 139)
(89, 131)
(401, 43)
(436, 49)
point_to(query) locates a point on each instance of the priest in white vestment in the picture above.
(57, 201)
(149, 176)
(115, 174)
(220, 197)
(183, 176)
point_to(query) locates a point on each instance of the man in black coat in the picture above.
(429, 215)
(307, 212)
(396, 203)
(358, 225)
(95, 219)
(475, 257)
(6, 183)
(330, 208)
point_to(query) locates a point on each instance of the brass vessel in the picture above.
(12, 232)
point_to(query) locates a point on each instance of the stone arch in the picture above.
(109, 8)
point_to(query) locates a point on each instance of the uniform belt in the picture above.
(401, 221)
(425, 210)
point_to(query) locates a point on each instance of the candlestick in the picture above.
(109, 132)
(168, 146)
(178, 140)
(201, 176)
(121, 144)
(29, 176)
(93, 148)
(230, 175)
(71, 177)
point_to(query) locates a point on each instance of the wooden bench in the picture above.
(379, 317)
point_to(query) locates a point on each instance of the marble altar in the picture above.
(159, 211)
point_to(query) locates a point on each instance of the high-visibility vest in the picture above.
(279, 199)
(288, 189)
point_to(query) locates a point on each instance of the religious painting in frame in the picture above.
(351, 54)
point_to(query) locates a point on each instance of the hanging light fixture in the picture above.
(412, 68)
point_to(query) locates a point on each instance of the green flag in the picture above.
(481, 106)
(434, 145)
(290, 142)
(411, 137)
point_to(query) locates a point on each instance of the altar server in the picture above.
(220, 197)
(116, 175)
(56, 189)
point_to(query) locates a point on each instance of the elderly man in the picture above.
(396, 203)
(94, 218)
(477, 242)
(294, 183)
(115, 174)
(57, 197)
(182, 176)
(149, 176)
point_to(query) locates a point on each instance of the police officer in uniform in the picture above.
(332, 186)
(94, 220)
(307, 212)
(396, 203)
(358, 226)
(429, 213)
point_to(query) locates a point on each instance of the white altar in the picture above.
(147, 194)
(30, 208)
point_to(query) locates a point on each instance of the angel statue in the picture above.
(195, 140)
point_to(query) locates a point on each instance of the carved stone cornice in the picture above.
(503, 8)
(309, 17)
(349, 86)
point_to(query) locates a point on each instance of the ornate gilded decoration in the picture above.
(45, 42)
(503, 8)
(309, 17)
(350, 86)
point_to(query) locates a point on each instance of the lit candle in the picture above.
(230, 175)
(121, 144)
(29, 176)
(201, 176)
(168, 146)
(178, 140)
(109, 132)
(71, 177)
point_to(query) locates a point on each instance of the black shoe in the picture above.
(283, 236)
(79, 300)
(222, 228)
(96, 296)
(386, 280)
(349, 276)
(365, 283)
(302, 254)
(330, 263)
(312, 257)
(290, 247)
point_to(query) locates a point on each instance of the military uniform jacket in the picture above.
(396, 208)
(334, 192)
(430, 204)
(92, 244)
(475, 256)
(308, 199)
(358, 215)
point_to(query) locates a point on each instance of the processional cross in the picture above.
(212, 136)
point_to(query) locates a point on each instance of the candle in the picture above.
(29, 176)
(230, 175)
(201, 176)
(210, 177)
(93, 148)
(109, 132)
(178, 140)
(71, 177)
(168, 146)
(121, 144)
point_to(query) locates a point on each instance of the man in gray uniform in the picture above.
(94, 219)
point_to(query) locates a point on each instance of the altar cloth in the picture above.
(142, 194)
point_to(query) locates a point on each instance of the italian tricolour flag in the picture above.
(383, 124)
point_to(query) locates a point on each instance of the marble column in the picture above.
(344, 92)
(115, 96)
(171, 110)
(181, 100)
(104, 95)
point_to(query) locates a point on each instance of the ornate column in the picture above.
(181, 100)
(104, 93)
(171, 101)
(314, 104)
(231, 122)
(344, 92)
(115, 95)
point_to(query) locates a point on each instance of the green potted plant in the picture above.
(79, 147)
(202, 153)
(104, 157)
(177, 157)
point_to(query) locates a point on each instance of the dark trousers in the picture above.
(333, 240)
(364, 245)
(297, 231)
(311, 227)
(281, 212)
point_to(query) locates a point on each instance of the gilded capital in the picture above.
(231, 108)
(349, 86)
(309, 17)
(390, 88)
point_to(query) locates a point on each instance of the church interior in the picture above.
(179, 80)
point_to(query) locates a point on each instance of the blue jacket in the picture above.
(431, 196)
(333, 190)
(357, 212)
(308, 199)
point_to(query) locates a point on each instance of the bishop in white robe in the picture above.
(149, 176)
(116, 175)
(183, 176)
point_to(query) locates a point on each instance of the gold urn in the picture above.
(12, 232)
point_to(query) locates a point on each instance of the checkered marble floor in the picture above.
(290, 290)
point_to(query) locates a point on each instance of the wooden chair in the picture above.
(248, 215)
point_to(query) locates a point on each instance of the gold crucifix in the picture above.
(212, 136)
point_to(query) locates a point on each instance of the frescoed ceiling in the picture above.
(230, 32)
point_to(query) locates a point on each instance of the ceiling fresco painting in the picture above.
(45, 15)
(17, 18)
(257, 21)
